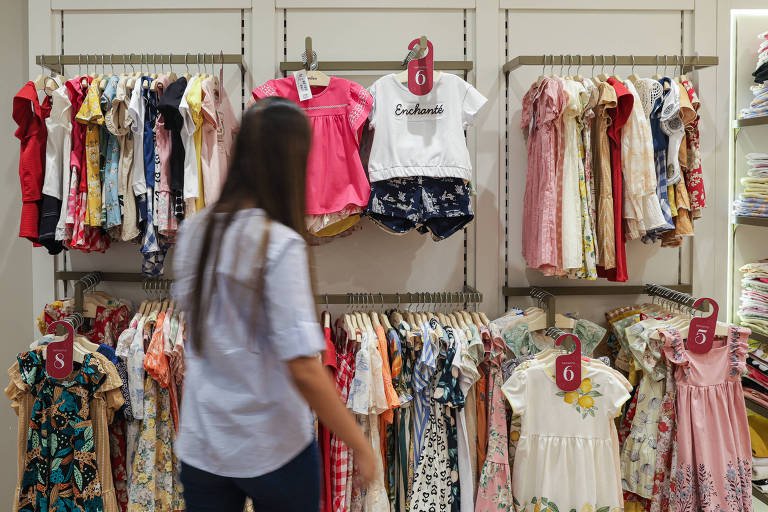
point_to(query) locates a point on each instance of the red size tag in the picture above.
(568, 366)
(701, 331)
(420, 71)
(58, 354)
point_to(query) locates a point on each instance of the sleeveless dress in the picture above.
(713, 466)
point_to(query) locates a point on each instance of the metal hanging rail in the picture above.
(86, 280)
(383, 65)
(590, 290)
(57, 62)
(688, 62)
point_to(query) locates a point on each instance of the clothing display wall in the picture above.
(487, 34)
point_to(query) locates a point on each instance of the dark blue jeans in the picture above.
(295, 487)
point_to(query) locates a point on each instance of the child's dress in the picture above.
(713, 467)
(564, 458)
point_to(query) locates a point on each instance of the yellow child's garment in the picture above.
(195, 100)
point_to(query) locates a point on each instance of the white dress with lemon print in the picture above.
(564, 460)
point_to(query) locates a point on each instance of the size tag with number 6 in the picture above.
(420, 71)
(568, 366)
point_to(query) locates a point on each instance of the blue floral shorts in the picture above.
(441, 206)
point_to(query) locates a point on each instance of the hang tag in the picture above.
(568, 366)
(701, 331)
(420, 71)
(59, 354)
(302, 84)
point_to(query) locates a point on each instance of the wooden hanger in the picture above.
(564, 322)
(385, 321)
(375, 319)
(484, 318)
(315, 77)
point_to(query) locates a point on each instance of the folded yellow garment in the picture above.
(758, 433)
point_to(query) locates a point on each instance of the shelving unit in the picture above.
(743, 220)
(745, 244)
(760, 495)
(762, 338)
(754, 121)
(756, 407)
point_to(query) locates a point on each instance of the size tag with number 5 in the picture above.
(420, 71)
(568, 366)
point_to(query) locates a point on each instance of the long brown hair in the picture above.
(268, 171)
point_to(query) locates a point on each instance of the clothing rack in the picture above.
(547, 295)
(555, 332)
(687, 62)
(381, 65)
(670, 295)
(591, 290)
(87, 280)
(56, 63)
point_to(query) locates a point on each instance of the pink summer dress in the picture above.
(712, 471)
(337, 186)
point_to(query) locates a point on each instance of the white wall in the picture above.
(485, 31)
(15, 254)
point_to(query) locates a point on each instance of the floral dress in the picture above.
(60, 470)
(565, 434)
(494, 490)
(714, 460)
(638, 455)
(436, 481)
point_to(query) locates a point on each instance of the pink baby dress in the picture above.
(336, 182)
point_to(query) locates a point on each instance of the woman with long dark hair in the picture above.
(243, 282)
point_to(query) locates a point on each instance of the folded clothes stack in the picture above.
(759, 105)
(758, 434)
(753, 200)
(753, 310)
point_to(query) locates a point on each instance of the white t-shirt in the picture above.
(422, 135)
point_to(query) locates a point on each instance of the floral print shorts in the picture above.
(441, 206)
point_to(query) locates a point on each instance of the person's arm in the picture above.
(317, 388)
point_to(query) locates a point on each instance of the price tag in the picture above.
(58, 354)
(302, 84)
(568, 366)
(701, 331)
(420, 71)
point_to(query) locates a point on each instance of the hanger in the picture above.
(564, 322)
(543, 74)
(602, 75)
(171, 75)
(315, 77)
(615, 76)
(633, 77)
(657, 76)
(186, 64)
(578, 77)
(84, 79)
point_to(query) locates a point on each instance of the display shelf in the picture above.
(760, 495)
(752, 121)
(762, 338)
(745, 220)
(756, 407)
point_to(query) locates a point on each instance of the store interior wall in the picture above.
(15, 262)
(373, 260)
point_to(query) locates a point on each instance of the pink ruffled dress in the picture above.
(713, 455)
(337, 186)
